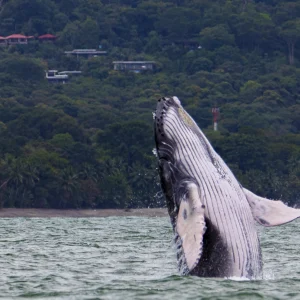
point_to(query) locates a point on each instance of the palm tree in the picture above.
(68, 188)
(18, 179)
(88, 172)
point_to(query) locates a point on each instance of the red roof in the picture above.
(47, 36)
(17, 36)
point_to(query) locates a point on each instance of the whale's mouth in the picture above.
(165, 149)
(164, 145)
(162, 108)
(170, 118)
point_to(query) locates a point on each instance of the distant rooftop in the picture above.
(52, 76)
(134, 62)
(135, 66)
(85, 52)
(61, 77)
(70, 72)
(18, 36)
(47, 36)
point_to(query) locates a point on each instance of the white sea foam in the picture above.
(269, 275)
(236, 278)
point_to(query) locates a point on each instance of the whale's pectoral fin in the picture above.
(268, 212)
(190, 224)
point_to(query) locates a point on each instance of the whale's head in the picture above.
(173, 129)
(176, 135)
(169, 115)
(174, 126)
(167, 119)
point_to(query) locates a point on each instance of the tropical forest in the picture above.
(87, 142)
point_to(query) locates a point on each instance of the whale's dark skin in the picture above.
(212, 215)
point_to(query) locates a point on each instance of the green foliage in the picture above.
(89, 143)
(21, 68)
(216, 36)
(30, 16)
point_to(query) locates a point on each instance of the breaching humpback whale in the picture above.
(212, 215)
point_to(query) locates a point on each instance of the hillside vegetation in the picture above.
(89, 143)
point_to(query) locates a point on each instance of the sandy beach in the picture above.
(80, 213)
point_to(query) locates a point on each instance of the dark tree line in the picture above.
(89, 143)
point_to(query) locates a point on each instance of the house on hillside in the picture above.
(87, 53)
(17, 39)
(3, 41)
(73, 73)
(54, 77)
(47, 38)
(135, 66)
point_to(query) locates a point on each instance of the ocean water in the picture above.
(128, 258)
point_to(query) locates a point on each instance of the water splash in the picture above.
(269, 275)
(235, 278)
(181, 261)
(154, 151)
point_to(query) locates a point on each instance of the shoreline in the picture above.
(81, 213)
